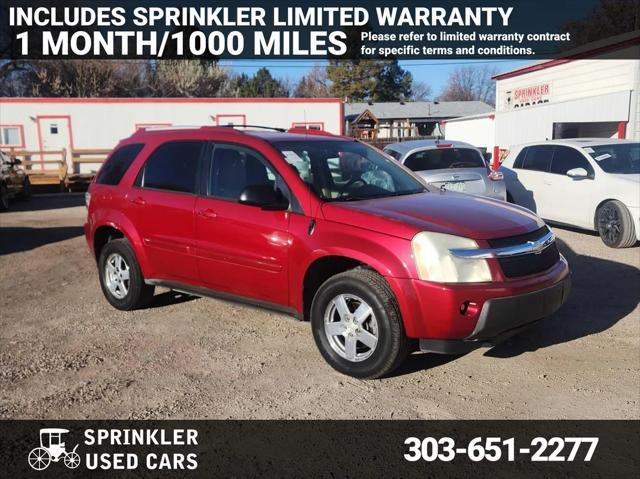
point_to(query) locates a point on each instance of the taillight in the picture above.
(496, 176)
(87, 199)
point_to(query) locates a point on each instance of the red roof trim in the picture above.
(168, 100)
(560, 61)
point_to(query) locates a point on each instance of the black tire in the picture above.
(139, 293)
(4, 197)
(25, 194)
(615, 225)
(392, 346)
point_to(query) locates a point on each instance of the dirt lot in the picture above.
(65, 353)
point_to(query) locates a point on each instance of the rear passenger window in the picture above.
(118, 164)
(539, 158)
(518, 162)
(173, 167)
(566, 158)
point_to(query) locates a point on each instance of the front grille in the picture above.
(526, 264)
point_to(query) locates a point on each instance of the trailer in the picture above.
(65, 140)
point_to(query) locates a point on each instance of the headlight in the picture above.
(435, 263)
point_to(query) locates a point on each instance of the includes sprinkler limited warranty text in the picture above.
(112, 31)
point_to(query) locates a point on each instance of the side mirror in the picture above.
(577, 173)
(263, 196)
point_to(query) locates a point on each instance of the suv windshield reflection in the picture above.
(622, 158)
(338, 170)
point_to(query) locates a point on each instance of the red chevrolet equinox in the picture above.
(327, 229)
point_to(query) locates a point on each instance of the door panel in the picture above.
(531, 177)
(166, 224)
(573, 200)
(241, 249)
(163, 201)
(55, 135)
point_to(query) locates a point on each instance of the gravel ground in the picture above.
(66, 354)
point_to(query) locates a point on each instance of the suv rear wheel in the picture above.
(357, 325)
(121, 278)
(615, 225)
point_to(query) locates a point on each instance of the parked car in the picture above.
(14, 182)
(325, 228)
(588, 183)
(451, 165)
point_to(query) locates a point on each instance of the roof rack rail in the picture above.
(308, 131)
(281, 130)
(166, 127)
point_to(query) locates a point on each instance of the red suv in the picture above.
(325, 228)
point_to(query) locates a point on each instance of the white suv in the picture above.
(588, 183)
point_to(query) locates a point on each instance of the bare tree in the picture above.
(471, 83)
(421, 91)
(187, 78)
(72, 78)
(314, 84)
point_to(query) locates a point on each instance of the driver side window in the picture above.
(233, 168)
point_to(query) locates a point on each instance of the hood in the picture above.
(442, 212)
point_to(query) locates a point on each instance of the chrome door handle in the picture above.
(208, 213)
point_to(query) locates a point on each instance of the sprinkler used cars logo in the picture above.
(52, 449)
(128, 444)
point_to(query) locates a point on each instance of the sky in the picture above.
(432, 72)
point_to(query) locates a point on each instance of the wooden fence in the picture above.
(79, 176)
(43, 167)
(52, 167)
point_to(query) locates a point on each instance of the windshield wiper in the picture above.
(382, 195)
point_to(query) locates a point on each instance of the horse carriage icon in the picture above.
(52, 448)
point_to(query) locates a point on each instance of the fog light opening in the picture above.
(469, 309)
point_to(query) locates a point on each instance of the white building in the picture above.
(572, 97)
(478, 130)
(53, 124)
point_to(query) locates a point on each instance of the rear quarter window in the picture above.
(118, 163)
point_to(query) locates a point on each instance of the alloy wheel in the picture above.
(351, 327)
(117, 276)
(609, 224)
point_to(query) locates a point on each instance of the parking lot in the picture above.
(65, 353)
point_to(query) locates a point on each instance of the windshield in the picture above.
(444, 158)
(621, 158)
(338, 170)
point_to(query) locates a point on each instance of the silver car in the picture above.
(450, 165)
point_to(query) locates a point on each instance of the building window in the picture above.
(10, 136)
(318, 126)
(53, 129)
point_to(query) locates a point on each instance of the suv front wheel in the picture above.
(121, 278)
(357, 325)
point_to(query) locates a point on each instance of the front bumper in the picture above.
(501, 318)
